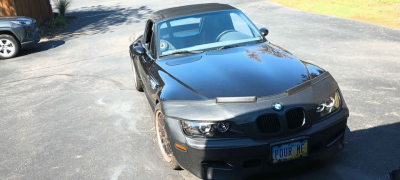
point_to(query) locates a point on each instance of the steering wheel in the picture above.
(165, 45)
(223, 33)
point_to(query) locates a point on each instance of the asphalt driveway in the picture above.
(68, 108)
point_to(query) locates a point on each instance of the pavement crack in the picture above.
(117, 83)
(85, 59)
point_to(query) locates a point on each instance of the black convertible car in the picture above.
(227, 103)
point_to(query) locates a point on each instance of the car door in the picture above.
(146, 62)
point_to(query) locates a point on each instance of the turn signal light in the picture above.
(180, 147)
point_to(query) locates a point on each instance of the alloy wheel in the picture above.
(7, 48)
(162, 137)
(134, 73)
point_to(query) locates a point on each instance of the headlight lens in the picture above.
(223, 129)
(331, 104)
(22, 21)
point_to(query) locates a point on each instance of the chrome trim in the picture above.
(247, 99)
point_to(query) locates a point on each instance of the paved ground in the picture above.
(68, 109)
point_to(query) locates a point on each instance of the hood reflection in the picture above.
(270, 49)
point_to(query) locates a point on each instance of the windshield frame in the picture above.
(253, 29)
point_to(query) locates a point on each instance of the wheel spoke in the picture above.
(8, 43)
(3, 42)
(163, 137)
(134, 74)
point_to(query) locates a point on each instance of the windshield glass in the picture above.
(205, 31)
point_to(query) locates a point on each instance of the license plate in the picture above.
(289, 151)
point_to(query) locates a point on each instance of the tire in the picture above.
(9, 46)
(162, 140)
(137, 81)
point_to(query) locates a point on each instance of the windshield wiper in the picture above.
(182, 52)
(228, 46)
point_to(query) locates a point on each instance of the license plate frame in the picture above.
(289, 143)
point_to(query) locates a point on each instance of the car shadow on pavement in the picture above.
(369, 154)
(42, 46)
(101, 19)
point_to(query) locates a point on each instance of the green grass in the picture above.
(381, 12)
(62, 6)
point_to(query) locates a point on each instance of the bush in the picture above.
(62, 6)
(60, 21)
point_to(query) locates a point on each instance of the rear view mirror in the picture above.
(139, 50)
(264, 31)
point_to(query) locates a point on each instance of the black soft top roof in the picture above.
(187, 10)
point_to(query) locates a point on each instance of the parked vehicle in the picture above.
(17, 33)
(228, 103)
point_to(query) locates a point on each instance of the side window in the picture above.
(240, 25)
(152, 46)
(148, 33)
(149, 39)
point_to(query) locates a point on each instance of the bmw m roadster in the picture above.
(227, 102)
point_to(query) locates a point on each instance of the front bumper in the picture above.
(240, 158)
(29, 36)
(31, 39)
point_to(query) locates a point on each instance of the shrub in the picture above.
(62, 6)
(60, 21)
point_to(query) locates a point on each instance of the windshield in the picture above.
(205, 31)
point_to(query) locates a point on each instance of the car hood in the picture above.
(14, 17)
(253, 70)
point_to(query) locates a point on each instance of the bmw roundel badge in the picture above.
(277, 106)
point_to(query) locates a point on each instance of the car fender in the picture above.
(10, 31)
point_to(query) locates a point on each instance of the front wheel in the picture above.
(137, 81)
(162, 140)
(9, 46)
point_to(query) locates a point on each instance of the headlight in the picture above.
(223, 129)
(23, 21)
(331, 104)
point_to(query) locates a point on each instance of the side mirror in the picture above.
(264, 31)
(139, 50)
